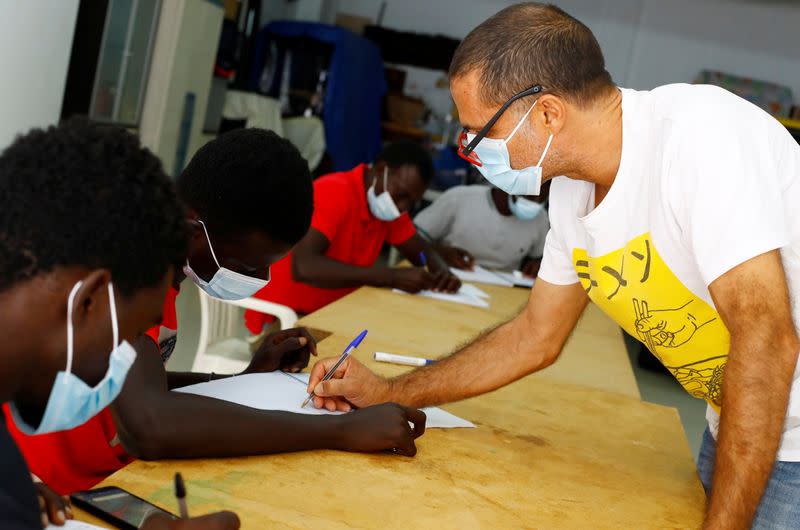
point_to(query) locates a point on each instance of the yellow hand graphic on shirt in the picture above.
(669, 327)
(682, 330)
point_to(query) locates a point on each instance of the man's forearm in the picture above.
(755, 396)
(190, 426)
(503, 355)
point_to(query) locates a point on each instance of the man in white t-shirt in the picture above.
(487, 226)
(677, 215)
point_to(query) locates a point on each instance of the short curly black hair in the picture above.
(250, 180)
(406, 153)
(82, 194)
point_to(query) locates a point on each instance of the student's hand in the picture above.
(288, 350)
(352, 385)
(445, 281)
(411, 279)
(531, 269)
(457, 257)
(212, 521)
(55, 508)
(382, 428)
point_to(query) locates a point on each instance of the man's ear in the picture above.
(553, 112)
(91, 296)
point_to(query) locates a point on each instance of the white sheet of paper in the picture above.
(522, 280)
(267, 391)
(480, 275)
(471, 290)
(517, 279)
(469, 296)
(282, 391)
(72, 524)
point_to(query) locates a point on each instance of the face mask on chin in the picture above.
(382, 206)
(72, 402)
(225, 284)
(524, 209)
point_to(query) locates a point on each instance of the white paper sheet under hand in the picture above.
(282, 391)
(470, 290)
(72, 524)
(517, 278)
(468, 295)
(480, 275)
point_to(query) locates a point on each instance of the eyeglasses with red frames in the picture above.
(467, 150)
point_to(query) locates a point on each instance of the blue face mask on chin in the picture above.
(382, 206)
(525, 209)
(496, 164)
(225, 284)
(72, 402)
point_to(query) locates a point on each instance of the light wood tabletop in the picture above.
(548, 455)
(548, 450)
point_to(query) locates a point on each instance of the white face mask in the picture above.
(225, 284)
(524, 209)
(496, 164)
(382, 206)
(72, 402)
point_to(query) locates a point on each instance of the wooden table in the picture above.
(546, 453)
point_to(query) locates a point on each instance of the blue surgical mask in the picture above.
(225, 284)
(72, 402)
(496, 164)
(524, 209)
(382, 206)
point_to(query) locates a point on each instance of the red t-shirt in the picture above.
(342, 215)
(69, 461)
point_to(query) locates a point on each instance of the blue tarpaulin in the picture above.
(355, 88)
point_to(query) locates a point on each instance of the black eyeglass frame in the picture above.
(464, 152)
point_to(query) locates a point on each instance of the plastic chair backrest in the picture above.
(221, 319)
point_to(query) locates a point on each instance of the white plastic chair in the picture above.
(218, 349)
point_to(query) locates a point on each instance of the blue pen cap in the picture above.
(357, 341)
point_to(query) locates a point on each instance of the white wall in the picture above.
(35, 45)
(646, 42)
(754, 38)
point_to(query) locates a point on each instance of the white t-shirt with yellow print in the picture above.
(706, 181)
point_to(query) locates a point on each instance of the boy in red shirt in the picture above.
(355, 213)
(70, 296)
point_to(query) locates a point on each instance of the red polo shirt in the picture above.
(69, 461)
(342, 215)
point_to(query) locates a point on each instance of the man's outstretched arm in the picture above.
(529, 342)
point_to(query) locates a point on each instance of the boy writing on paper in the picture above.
(355, 213)
(487, 226)
(70, 296)
(248, 199)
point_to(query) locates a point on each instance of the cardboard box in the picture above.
(404, 110)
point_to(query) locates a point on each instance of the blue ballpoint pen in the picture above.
(347, 351)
